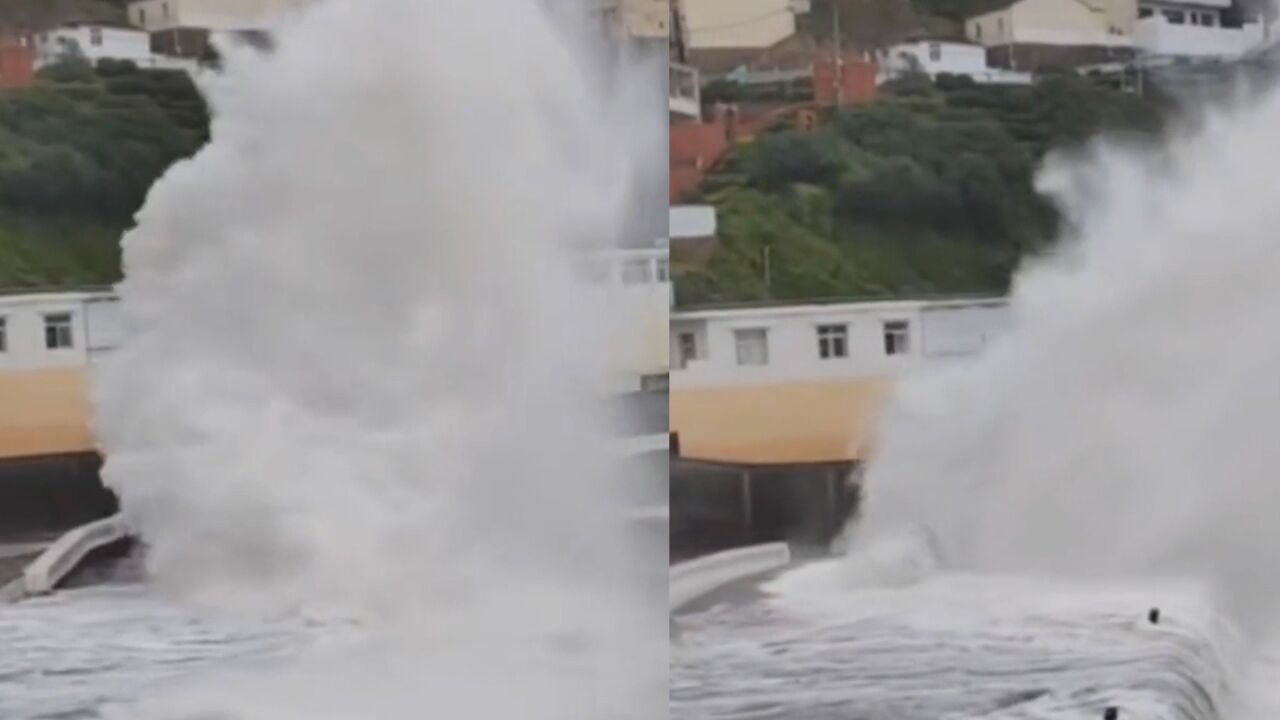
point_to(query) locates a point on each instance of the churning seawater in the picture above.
(81, 653)
(352, 381)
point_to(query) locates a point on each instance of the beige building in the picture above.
(647, 19)
(217, 15)
(182, 28)
(722, 24)
(1029, 34)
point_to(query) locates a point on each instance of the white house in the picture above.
(1028, 34)
(945, 57)
(1204, 29)
(836, 341)
(1031, 33)
(93, 42)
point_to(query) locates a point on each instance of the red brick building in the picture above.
(17, 63)
(849, 82)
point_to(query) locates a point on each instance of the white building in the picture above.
(93, 43)
(1031, 33)
(55, 330)
(47, 344)
(683, 92)
(1199, 30)
(634, 285)
(945, 57)
(1028, 34)
(818, 342)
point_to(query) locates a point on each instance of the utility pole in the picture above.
(768, 270)
(678, 32)
(836, 50)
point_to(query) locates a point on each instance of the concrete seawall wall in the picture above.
(46, 495)
(49, 467)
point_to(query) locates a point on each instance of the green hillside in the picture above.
(78, 153)
(927, 190)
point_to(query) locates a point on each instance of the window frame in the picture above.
(684, 358)
(897, 337)
(832, 337)
(740, 341)
(53, 325)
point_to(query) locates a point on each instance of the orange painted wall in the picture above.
(44, 412)
(779, 423)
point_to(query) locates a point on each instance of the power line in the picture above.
(740, 23)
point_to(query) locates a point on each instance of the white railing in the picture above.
(1157, 36)
(697, 578)
(685, 97)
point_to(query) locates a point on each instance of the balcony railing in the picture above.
(684, 93)
(1156, 36)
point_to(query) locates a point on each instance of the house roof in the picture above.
(780, 423)
(807, 305)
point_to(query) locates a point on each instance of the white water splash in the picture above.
(358, 374)
(1125, 427)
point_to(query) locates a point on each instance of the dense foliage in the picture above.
(78, 153)
(928, 190)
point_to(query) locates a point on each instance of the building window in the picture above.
(999, 27)
(1208, 20)
(95, 36)
(833, 341)
(663, 270)
(897, 337)
(1144, 12)
(57, 331)
(935, 52)
(635, 272)
(4, 334)
(687, 346)
(752, 345)
(1175, 17)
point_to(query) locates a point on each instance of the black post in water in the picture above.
(1153, 616)
(1111, 713)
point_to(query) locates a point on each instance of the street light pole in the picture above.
(836, 50)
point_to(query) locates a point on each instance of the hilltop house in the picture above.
(182, 28)
(934, 57)
(1030, 34)
(721, 35)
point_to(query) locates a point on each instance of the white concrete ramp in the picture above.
(62, 558)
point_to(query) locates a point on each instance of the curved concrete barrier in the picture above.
(695, 578)
(67, 552)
